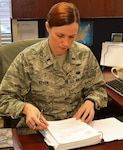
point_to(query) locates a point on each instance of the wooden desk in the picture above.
(116, 97)
(32, 142)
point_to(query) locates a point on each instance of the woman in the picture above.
(58, 75)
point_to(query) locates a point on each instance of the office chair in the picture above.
(7, 54)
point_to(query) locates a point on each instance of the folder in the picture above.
(112, 54)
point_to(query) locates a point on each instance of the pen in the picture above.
(43, 132)
(39, 119)
(40, 116)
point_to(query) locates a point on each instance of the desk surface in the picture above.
(31, 142)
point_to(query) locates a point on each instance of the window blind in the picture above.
(5, 21)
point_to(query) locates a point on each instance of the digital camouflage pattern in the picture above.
(35, 77)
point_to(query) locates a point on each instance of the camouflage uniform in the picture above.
(35, 77)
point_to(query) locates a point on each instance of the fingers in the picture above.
(42, 126)
(87, 116)
(43, 120)
(31, 124)
(86, 112)
(37, 123)
(34, 127)
(34, 118)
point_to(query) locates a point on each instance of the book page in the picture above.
(111, 128)
(70, 130)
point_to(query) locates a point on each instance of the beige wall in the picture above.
(0, 39)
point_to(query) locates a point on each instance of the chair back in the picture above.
(9, 52)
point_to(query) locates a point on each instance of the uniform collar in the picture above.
(73, 56)
(47, 56)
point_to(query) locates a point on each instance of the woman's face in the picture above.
(61, 37)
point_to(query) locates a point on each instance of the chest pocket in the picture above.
(46, 82)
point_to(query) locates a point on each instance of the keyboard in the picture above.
(116, 85)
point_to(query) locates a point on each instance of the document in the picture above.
(111, 128)
(27, 29)
(71, 133)
(112, 54)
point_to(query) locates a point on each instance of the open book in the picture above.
(111, 128)
(71, 133)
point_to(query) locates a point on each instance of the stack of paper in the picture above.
(71, 133)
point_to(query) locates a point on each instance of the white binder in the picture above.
(112, 54)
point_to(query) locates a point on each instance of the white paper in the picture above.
(70, 133)
(111, 128)
(27, 29)
(112, 54)
(70, 130)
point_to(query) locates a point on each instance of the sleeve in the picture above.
(94, 83)
(13, 88)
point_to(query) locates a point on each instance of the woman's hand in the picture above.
(34, 118)
(86, 112)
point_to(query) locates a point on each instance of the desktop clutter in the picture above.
(117, 83)
(71, 133)
(111, 54)
(117, 72)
